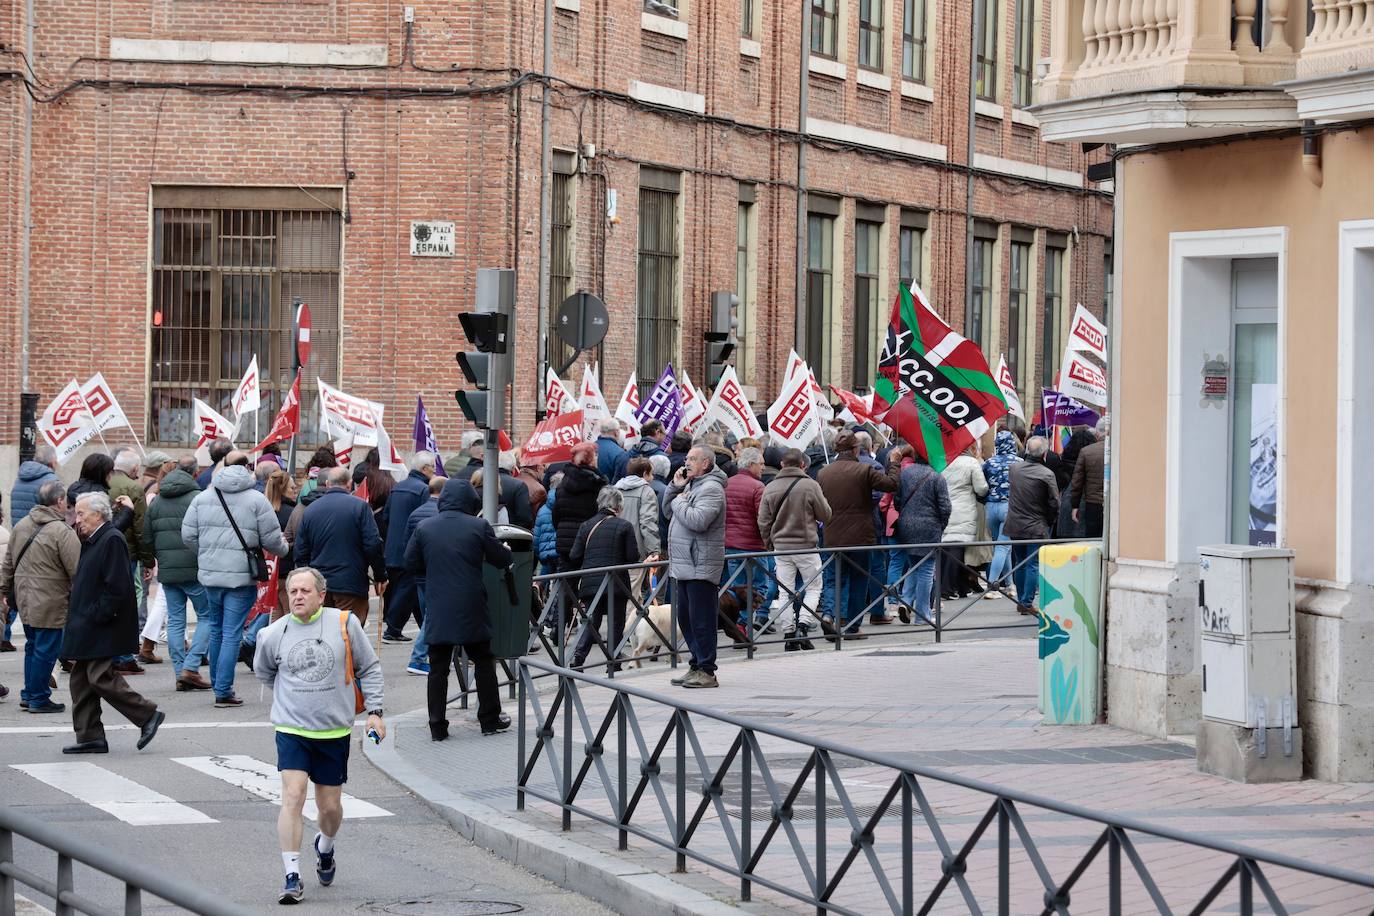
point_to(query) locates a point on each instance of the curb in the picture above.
(622, 886)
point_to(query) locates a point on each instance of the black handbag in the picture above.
(257, 563)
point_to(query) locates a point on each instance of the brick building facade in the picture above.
(197, 164)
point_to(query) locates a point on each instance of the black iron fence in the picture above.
(636, 764)
(70, 848)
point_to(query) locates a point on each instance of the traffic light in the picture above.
(487, 368)
(720, 339)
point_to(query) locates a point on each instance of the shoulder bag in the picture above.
(358, 702)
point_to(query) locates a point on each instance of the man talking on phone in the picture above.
(696, 557)
(313, 658)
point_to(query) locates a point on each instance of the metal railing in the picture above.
(136, 877)
(909, 882)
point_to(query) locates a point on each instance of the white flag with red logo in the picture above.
(344, 414)
(792, 419)
(625, 411)
(1008, 386)
(729, 406)
(100, 401)
(343, 451)
(1083, 380)
(67, 424)
(693, 404)
(248, 395)
(210, 425)
(1087, 334)
(557, 398)
(390, 458)
(592, 402)
(796, 364)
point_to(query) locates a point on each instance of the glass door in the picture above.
(1254, 404)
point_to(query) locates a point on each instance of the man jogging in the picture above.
(312, 668)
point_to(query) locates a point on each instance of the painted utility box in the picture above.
(1070, 633)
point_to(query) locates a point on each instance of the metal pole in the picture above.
(295, 374)
(968, 196)
(545, 213)
(26, 207)
(803, 99)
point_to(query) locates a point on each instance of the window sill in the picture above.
(827, 67)
(750, 48)
(986, 109)
(652, 22)
(873, 79)
(571, 6)
(920, 91)
(667, 97)
(1024, 118)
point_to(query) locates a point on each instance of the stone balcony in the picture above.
(1151, 71)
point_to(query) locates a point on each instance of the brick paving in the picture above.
(964, 708)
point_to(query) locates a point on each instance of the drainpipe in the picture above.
(803, 95)
(26, 208)
(968, 197)
(545, 219)
(1312, 153)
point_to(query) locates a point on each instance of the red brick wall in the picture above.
(98, 150)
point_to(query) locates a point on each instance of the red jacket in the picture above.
(743, 492)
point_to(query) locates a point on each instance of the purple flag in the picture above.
(1062, 410)
(424, 436)
(663, 402)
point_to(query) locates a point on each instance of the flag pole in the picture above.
(295, 374)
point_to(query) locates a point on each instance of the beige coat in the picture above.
(43, 582)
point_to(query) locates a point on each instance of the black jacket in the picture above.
(339, 537)
(448, 550)
(575, 504)
(404, 499)
(102, 621)
(612, 544)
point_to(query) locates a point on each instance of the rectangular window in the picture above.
(746, 24)
(228, 265)
(658, 267)
(560, 259)
(1023, 66)
(911, 246)
(1107, 281)
(987, 50)
(820, 266)
(867, 306)
(1054, 313)
(824, 22)
(871, 34)
(914, 40)
(745, 256)
(1018, 309)
(983, 264)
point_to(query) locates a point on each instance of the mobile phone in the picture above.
(376, 738)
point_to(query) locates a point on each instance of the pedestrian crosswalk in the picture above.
(141, 806)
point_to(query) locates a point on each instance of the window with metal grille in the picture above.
(658, 298)
(871, 34)
(867, 308)
(1054, 313)
(910, 251)
(224, 277)
(987, 50)
(560, 261)
(1023, 65)
(820, 286)
(746, 23)
(983, 262)
(824, 23)
(1018, 311)
(744, 289)
(914, 40)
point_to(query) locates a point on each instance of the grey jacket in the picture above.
(206, 529)
(303, 663)
(641, 511)
(696, 528)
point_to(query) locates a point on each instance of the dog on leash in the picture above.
(646, 639)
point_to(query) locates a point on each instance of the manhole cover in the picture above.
(445, 907)
(905, 653)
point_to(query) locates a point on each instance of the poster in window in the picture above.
(1264, 470)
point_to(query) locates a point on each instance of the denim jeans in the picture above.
(997, 517)
(41, 645)
(897, 564)
(1025, 561)
(851, 595)
(919, 584)
(419, 651)
(763, 582)
(10, 616)
(250, 633)
(228, 611)
(177, 596)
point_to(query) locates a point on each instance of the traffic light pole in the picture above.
(491, 456)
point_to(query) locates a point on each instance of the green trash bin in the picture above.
(509, 594)
(1070, 628)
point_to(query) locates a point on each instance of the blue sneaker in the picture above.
(421, 668)
(324, 870)
(293, 891)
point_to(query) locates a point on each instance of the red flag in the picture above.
(363, 492)
(266, 601)
(553, 439)
(856, 405)
(288, 421)
(504, 441)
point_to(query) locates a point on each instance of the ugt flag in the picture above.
(424, 436)
(664, 402)
(939, 393)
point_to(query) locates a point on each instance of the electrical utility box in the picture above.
(1249, 652)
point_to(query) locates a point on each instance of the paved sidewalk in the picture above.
(965, 707)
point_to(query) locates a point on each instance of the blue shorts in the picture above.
(324, 760)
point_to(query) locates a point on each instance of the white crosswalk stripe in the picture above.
(125, 799)
(262, 780)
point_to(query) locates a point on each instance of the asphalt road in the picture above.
(402, 860)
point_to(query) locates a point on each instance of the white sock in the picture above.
(291, 861)
(324, 843)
